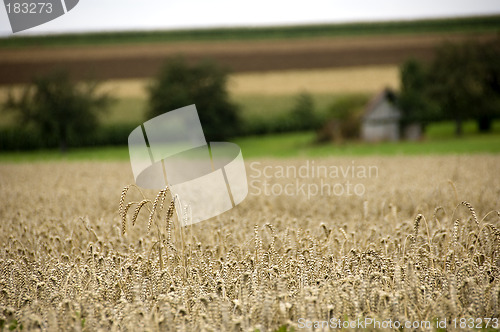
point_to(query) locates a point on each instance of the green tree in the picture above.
(414, 99)
(489, 110)
(180, 84)
(58, 107)
(464, 81)
(302, 115)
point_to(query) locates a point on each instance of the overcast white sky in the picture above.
(99, 15)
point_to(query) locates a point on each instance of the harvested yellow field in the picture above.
(418, 239)
(371, 79)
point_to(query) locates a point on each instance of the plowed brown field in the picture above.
(144, 60)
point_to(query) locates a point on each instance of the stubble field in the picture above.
(421, 243)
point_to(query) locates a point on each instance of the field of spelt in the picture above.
(421, 243)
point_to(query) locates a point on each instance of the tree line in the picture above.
(461, 83)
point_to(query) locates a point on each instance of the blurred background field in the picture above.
(269, 69)
(257, 93)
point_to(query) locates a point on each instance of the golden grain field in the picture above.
(362, 79)
(421, 243)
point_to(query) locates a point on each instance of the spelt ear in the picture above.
(124, 216)
(121, 205)
(138, 209)
(472, 212)
(158, 202)
(170, 211)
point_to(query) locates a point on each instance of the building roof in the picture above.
(384, 96)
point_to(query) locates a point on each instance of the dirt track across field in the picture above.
(144, 60)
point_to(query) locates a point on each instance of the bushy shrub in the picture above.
(300, 117)
(303, 115)
(28, 138)
(344, 119)
(57, 109)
